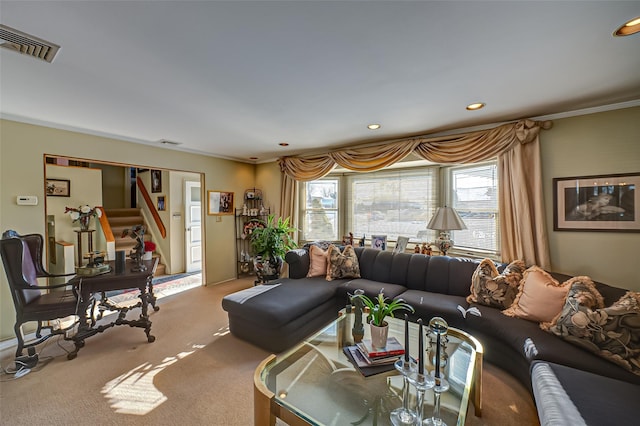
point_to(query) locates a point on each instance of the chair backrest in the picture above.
(35, 243)
(21, 271)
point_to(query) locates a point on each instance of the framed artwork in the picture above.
(156, 181)
(58, 188)
(219, 202)
(597, 203)
(401, 245)
(379, 242)
(161, 206)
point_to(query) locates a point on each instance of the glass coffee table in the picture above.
(316, 384)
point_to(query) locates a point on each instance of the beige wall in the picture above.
(268, 180)
(594, 144)
(22, 147)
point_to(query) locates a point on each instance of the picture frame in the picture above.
(220, 202)
(161, 204)
(156, 180)
(379, 242)
(401, 245)
(607, 203)
(58, 188)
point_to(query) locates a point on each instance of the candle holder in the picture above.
(438, 327)
(422, 382)
(404, 415)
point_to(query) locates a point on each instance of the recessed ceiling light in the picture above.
(631, 27)
(373, 126)
(475, 106)
(283, 144)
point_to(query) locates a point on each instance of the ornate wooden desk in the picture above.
(93, 301)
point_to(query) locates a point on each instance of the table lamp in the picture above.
(444, 220)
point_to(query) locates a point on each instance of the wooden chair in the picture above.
(22, 260)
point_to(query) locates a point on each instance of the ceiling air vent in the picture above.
(27, 44)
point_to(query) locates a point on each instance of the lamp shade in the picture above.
(446, 219)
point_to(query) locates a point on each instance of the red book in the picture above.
(392, 348)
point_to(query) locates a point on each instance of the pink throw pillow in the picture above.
(540, 297)
(317, 262)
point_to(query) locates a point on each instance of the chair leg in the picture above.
(18, 329)
(39, 330)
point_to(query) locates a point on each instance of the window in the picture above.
(401, 202)
(320, 210)
(474, 194)
(392, 203)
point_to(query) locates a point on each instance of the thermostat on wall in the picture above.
(27, 200)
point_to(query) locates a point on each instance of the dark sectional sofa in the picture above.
(435, 286)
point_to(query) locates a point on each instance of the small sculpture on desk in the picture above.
(358, 306)
(426, 249)
(137, 233)
(348, 239)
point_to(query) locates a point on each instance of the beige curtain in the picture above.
(516, 145)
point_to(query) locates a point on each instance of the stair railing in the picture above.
(152, 208)
(108, 233)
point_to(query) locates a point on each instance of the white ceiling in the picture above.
(234, 79)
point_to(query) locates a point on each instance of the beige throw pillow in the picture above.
(540, 297)
(317, 262)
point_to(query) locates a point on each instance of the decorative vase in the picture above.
(268, 269)
(379, 335)
(147, 255)
(84, 222)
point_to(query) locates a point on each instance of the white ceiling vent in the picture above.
(27, 44)
(168, 142)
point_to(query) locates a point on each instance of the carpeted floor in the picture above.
(194, 373)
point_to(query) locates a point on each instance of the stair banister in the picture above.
(152, 208)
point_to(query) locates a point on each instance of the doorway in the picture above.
(182, 250)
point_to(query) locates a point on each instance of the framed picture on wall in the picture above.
(58, 188)
(156, 181)
(219, 202)
(597, 203)
(161, 205)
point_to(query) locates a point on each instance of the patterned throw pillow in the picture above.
(612, 333)
(342, 265)
(491, 288)
(540, 297)
(317, 262)
(582, 296)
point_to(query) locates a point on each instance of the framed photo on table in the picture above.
(597, 203)
(219, 202)
(379, 242)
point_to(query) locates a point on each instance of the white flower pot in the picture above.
(147, 255)
(379, 335)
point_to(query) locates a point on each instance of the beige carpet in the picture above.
(195, 373)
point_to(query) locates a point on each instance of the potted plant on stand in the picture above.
(269, 244)
(379, 308)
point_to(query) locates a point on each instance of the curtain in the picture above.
(516, 145)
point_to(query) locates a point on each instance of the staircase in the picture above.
(121, 219)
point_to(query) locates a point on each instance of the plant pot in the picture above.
(379, 335)
(268, 269)
(147, 255)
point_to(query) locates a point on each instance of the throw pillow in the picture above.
(317, 262)
(581, 297)
(342, 265)
(540, 298)
(612, 333)
(491, 288)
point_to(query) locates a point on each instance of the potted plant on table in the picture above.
(379, 308)
(270, 243)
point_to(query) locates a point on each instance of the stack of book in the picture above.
(371, 360)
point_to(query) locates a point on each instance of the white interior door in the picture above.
(193, 225)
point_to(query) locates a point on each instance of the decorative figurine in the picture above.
(358, 306)
(137, 233)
